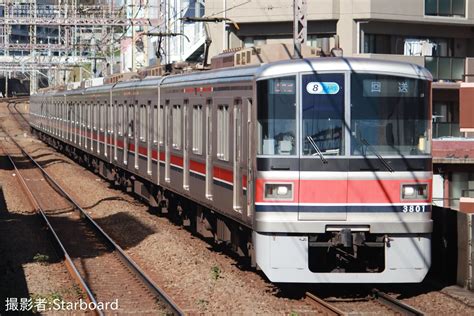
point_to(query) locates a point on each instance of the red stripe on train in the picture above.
(343, 191)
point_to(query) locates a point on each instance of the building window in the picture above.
(318, 40)
(177, 126)
(408, 46)
(197, 129)
(223, 132)
(252, 41)
(445, 7)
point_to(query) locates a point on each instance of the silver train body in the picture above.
(320, 167)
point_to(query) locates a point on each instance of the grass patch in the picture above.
(40, 258)
(215, 272)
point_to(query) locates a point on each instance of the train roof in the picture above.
(138, 83)
(98, 89)
(356, 65)
(223, 75)
(274, 69)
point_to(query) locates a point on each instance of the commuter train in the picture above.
(318, 170)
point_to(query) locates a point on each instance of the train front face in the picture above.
(344, 174)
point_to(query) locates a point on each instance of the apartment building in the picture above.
(437, 34)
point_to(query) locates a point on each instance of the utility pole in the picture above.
(300, 27)
(134, 64)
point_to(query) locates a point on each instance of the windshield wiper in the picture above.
(384, 162)
(318, 151)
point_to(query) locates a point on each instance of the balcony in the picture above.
(466, 201)
(442, 129)
(446, 68)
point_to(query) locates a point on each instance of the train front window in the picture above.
(389, 115)
(276, 116)
(323, 114)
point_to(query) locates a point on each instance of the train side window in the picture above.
(113, 117)
(125, 118)
(143, 123)
(161, 125)
(102, 116)
(155, 124)
(130, 120)
(276, 116)
(177, 126)
(197, 129)
(94, 116)
(223, 132)
(120, 120)
(83, 114)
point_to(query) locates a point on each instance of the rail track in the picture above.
(100, 267)
(397, 306)
(13, 102)
(322, 306)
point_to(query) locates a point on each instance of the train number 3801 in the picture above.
(414, 208)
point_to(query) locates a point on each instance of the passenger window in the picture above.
(130, 121)
(143, 123)
(102, 116)
(120, 119)
(197, 129)
(276, 116)
(161, 125)
(177, 126)
(223, 132)
(94, 116)
(155, 124)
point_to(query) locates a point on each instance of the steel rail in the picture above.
(395, 304)
(38, 209)
(21, 114)
(129, 262)
(328, 308)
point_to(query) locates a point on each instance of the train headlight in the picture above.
(279, 191)
(414, 191)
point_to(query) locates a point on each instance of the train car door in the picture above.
(168, 126)
(112, 128)
(186, 142)
(127, 130)
(150, 117)
(209, 151)
(250, 168)
(323, 167)
(237, 193)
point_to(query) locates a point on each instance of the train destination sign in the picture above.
(387, 88)
(282, 86)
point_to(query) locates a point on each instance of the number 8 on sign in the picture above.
(322, 88)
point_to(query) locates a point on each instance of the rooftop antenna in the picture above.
(300, 27)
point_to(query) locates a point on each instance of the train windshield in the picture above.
(276, 116)
(389, 115)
